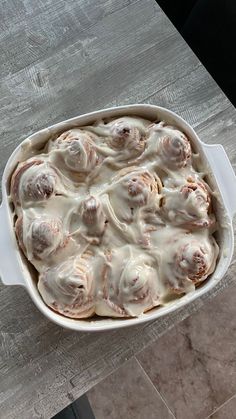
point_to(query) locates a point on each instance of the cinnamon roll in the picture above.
(126, 135)
(93, 216)
(173, 147)
(69, 287)
(134, 189)
(41, 237)
(130, 285)
(188, 205)
(33, 181)
(189, 262)
(77, 149)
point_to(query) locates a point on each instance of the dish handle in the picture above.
(10, 271)
(224, 174)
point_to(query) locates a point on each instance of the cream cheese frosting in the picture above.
(115, 217)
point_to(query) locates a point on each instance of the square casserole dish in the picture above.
(15, 270)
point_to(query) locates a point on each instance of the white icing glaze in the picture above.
(76, 148)
(188, 205)
(69, 287)
(171, 146)
(130, 284)
(115, 218)
(190, 260)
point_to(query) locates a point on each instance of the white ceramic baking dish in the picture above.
(14, 269)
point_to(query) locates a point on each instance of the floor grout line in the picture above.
(222, 405)
(150, 381)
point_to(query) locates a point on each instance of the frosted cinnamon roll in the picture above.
(189, 205)
(133, 189)
(130, 286)
(126, 135)
(40, 238)
(173, 147)
(141, 186)
(77, 149)
(93, 216)
(69, 287)
(189, 262)
(33, 181)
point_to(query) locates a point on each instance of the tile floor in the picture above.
(189, 373)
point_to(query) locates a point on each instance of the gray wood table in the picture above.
(61, 58)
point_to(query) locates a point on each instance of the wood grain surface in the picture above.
(60, 59)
